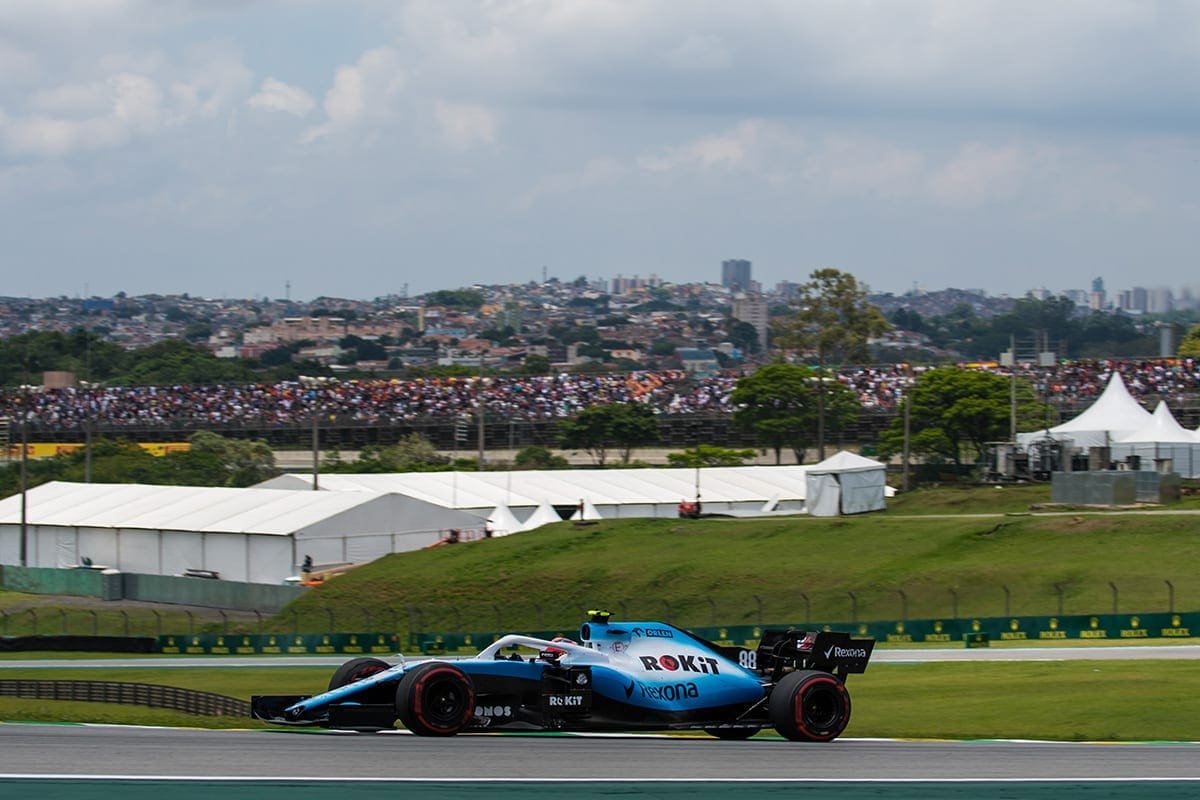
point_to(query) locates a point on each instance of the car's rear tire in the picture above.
(809, 706)
(732, 734)
(435, 699)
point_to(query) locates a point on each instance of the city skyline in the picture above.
(355, 148)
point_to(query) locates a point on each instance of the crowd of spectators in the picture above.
(375, 402)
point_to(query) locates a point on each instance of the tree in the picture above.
(536, 364)
(413, 453)
(1190, 346)
(833, 322)
(708, 455)
(538, 457)
(778, 403)
(244, 462)
(956, 411)
(744, 335)
(600, 429)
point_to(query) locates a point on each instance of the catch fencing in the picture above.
(139, 694)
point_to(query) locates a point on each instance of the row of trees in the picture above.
(212, 460)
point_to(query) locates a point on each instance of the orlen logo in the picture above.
(846, 652)
(684, 661)
(654, 633)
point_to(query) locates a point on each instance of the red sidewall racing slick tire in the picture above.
(358, 668)
(355, 670)
(435, 699)
(810, 706)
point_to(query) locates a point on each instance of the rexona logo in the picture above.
(846, 652)
(654, 633)
(684, 661)
(493, 711)
(667, 691)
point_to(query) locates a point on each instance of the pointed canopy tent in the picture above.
(587, 514)
(1114, 415)
(1163, 444)
(502, 521)
(846, 483)
(544, 515)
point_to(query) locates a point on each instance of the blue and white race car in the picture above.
(620, 676)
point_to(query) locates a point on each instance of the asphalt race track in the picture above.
(115, 750)
(128, 763)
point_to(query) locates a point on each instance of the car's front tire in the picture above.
(809, 706)
(435, 699)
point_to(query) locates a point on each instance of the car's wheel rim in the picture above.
(820, 708)
(445, 703)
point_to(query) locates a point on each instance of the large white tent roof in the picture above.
(568, 487)
(187, 508)
(845, 461)
(1114, 414)
(1161, 428)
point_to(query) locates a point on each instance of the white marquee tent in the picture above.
(846, 483)
(611, 493)
(1162, 443)
(253, 535)
(1114, 414)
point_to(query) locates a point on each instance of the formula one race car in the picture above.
(621, 677)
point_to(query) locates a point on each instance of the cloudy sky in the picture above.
(355, 147)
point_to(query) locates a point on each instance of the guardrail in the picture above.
(137, 694)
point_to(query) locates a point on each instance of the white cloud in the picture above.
(107, 115)
(596, 172)
(275, 95)
(729, 150)
(465, 125)
(979, 173)
(365, 90)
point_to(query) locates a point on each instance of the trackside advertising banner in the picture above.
(1077, 627)
(1087, 627)
(211, 644)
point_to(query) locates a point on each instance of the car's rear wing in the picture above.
(828, 651)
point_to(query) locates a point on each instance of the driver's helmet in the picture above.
(555, 653)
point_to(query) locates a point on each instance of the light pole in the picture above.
(313, 385)
(479, 395)
(24, 473)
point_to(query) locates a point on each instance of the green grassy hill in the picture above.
(905, 561)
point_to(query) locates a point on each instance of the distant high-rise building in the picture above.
(1097, 299)
(1159, 301)
(735, 274)
(753, 310)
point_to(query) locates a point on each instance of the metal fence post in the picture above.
(1007, 601)
(903, 605)
(807, 609)
(712, 618)
(954, 594)
(1058, 587)
(1113, 586)
(1170, 596)
(853, 607)
(758, 600)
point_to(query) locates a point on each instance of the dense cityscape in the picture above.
(626, 323)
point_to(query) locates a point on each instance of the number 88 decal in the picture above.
(748, 659)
